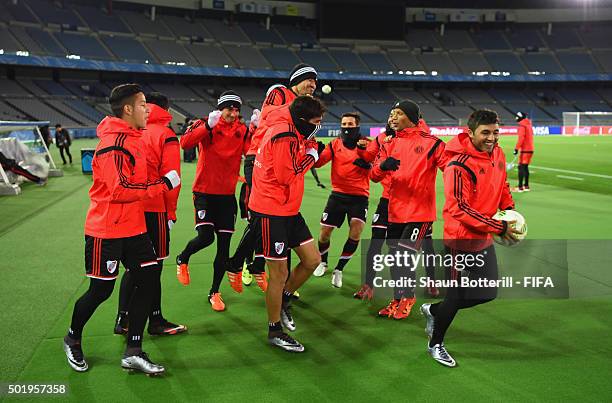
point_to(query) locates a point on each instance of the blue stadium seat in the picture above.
(556, 111)
(46, 41)
(335, 112)
(16, 12)
(210, 55)
(353, 95)
(377, 113)
(593, 107)
(596, 36)
(83, 45)
(458, 112)
(7, 43)
(418, 38)
(319, 59)
(505, 61)
(10, 88)
(170, 51)
(563, 38)
(127, 48)
(382, 95)
(224, 32)
(142, 24)
(508, 95)
(193, 109)
(404, 60)
(294, 35)
(49, 13)
(490, 40)
(470, 62)
(259, 34)
(99, 20)
(456, 39)
(604, 58)
(174, 91)
(542, 62)
(474, 96)
(52, 87)
(280, 58)
(434, 116)
(348, 61)
(377, 61)
(577, 62)
(27, 43)
(439, 62)
(505, 116)
(580, 95)
(247, 57)
(85, 109)
(183, 27)
(521, 38)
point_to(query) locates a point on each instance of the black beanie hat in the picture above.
(520, 116)
(229, 99)
(300, 73)
(410, 109)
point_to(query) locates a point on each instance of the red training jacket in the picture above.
(278, 173)
(525, 136)
(163, 155)
(221, 151)
(475, 187)
(412, 191)
(346, 177)
(120, 182)
(278, 96)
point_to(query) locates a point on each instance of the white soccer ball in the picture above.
(520, 225)
(326, 89)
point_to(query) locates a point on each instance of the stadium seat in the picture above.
(10, 88)
(474, 96)
(259, 34)
(142, 24)
(169, 51)
(419, 38)
(8, 112)
(83, 45)
(353, 95)
(348, 61)
(280, 58)
(100, 20)
(52, 87)
(542, 62)
(470, 62)
(376, 113)
(174, 91)
(247, 57)
(508, 95)
(46, 42)
(505, 61)
(184, 27)
(224, 32)
(319, 59)
(127, 48)
(404, 60)
(522, 38)
(41, 111)
(7, 42)
(25, 41)
(434, 116)
(377, 61)
(440, 62)
(10, 11)
(409, 93)
(489, 39)
(596, 36)
(563, 38)
(209, 55)
(459, 112)
(295, 35)
(604, 58)
(49, 13)
(577, 62)
(381, 95)
(456, 39)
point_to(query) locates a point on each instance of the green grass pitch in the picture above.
(519, 350)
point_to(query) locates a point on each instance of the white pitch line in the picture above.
(573, 172)
(570, 177)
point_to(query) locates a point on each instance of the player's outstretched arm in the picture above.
(197, 133)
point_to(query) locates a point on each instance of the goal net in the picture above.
(23, 143)
(587, 123)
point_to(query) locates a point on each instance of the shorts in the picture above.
(408, 235)
(380, 219)
(525, 157)
(216, 210)
(275, 235)
(102, 256)
(340, 205)
(157, 228)
(482, 265)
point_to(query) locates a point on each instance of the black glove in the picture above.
(320, 147)
(361, 163)
(515, 151)
(390, 164)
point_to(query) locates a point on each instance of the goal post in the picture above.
(587, 123)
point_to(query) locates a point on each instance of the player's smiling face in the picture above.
(306, 87)
(230, 114)
(485, 137)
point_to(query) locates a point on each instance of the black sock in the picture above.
(258, 266)
(521, 174)
(350, 246)
(140, 305)
(156, 313)
(526, 172)
(221, 258)
(205, 238)
(274, 327)
(98, 292)
(126, 289)
(286, 297)
(324, 250)
(430, 264)
(244, 251)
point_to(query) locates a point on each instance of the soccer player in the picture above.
(286, 153)
(475, 187)
(9, 164)
(524, 145)
(115, 228)
(412, 160)
(163, 154)
(221, 139)
(350, 177)
(302, 81)
(380, 217)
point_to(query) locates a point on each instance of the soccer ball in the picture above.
(326, 89)
(520, 225)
